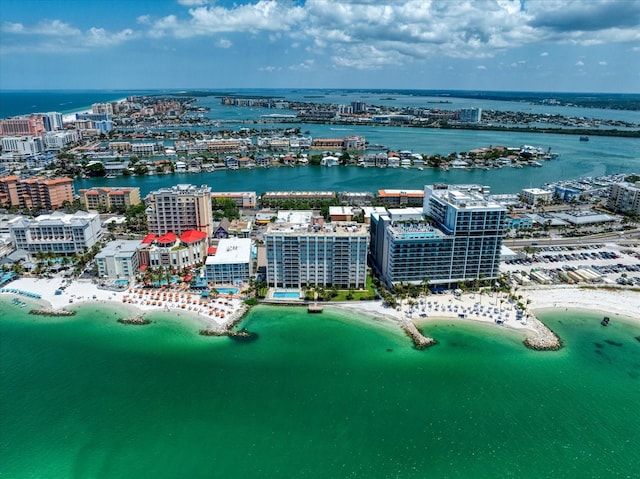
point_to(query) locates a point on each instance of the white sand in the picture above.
(88, 292)
(621, 301)
(474, 307)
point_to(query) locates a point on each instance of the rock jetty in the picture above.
(52, 312)
(544, 339)
(136, 320)
(420, 341)
(226, 329)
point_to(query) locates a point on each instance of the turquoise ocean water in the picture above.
(331, 395)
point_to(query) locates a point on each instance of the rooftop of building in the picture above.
(336, 228)
(294, 216)
(394, 192)
(537, 191)
(464, 196)
(231, 251)
(183, 189)
(119, 248)
(56, 218)
(414, 230)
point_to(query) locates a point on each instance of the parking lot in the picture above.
(601, 263)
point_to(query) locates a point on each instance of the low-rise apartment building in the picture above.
(169, 251)
(231, 263)
(118, 259)
(109, 198)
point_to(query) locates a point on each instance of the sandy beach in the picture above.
(493, 308)
(214, 313)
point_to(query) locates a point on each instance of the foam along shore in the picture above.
(136, 301)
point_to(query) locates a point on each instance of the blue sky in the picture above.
(533, 45)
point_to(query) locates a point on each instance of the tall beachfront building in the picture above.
(456, 237)
(316, 254)
(35, 192)
(32, 125)
(180, 208)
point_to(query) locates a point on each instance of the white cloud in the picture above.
(144, 19)
(61, 37)
(482, 67)
(544, 54)
(265, 15)
(224, 43)
(602, 63)
(192, 3)
(579, 63)
(10, 27)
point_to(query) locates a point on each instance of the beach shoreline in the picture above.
(493, 309)
(87, 293)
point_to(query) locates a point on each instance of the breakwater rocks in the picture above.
(544, 340)
(137, 320)
(420, 341)
(242, 335)
(51, 312)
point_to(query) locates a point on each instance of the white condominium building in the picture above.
(118, 259)
(57, 233)
(625, 197)
(317, 254)
(231, 263)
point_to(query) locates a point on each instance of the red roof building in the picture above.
(192, 236)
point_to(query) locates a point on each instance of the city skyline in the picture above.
(517, 45)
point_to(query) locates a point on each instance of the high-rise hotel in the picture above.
(456, 237)
(179, 209)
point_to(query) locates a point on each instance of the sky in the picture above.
(512, 45)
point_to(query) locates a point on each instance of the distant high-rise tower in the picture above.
(470, 115)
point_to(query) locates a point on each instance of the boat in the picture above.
(584, 138)
(605, 321)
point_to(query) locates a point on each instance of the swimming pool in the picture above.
(286, 295)
(227, 290)
(121, 282)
